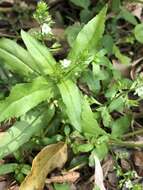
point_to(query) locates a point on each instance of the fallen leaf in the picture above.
(125, 165)
(136, 68)
(135, 9)
(137, 158)
(112, 179)
(3, 185)
(99, 174)
(51, 157)
(108, 166)
(124, 69)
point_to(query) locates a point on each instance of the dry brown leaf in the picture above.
(3, 185)
(135, 9)
(125, 165)
(137, 158)
(108, 166)
(51, 157)
(124, 69)
(68, 177)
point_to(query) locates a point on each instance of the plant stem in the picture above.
(128, 144)
(138, 132)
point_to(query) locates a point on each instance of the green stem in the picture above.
(128, 144)
(138, 132)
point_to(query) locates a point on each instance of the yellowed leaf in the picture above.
(51, 157)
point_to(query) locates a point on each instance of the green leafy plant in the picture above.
(45, 79)
(44, 19)
(113, 38)
(50, 96)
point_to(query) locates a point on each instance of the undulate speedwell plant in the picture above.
(46, 81)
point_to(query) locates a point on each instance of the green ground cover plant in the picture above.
(82, 100)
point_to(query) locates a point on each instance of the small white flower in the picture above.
(46, 29)
(128, 184)
(55, 103)
(66, 63)
(139, 91)
(135, 174)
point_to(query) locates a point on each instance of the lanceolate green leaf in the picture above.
(24, 97)
(81, 3)
(89, 123)
(138, 32)
(14, 63)
(71, 98)
(89, 37)
(40, 54)
(23, 130)
(16, 50)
